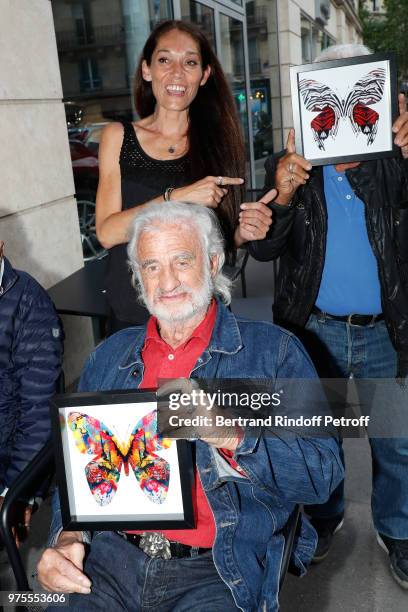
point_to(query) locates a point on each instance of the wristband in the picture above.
(167, 194)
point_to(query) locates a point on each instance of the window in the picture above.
(314, 39)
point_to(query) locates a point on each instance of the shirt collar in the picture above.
(226, 337)
(203, 330)
(8, 276)
(331, 172)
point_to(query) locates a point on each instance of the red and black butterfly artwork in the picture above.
(354, 107)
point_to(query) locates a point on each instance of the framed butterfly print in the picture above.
(114, 471)
(343, 110)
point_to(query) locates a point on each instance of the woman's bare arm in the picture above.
(112, 223)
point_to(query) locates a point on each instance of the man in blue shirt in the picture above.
(341, 235)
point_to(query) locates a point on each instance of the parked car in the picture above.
(263, 142)
(90, 135)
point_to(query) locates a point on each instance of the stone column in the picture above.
(38, 212)
(290, 53)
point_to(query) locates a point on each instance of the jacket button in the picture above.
(135, 372)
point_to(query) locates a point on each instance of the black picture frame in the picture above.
(302, 126)
(74, 520)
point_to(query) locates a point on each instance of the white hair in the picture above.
(343, 52)
(202, 219)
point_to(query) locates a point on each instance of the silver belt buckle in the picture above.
(155, 545)
(350, 316)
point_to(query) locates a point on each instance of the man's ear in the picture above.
(214, 263)
(1, 250)
(206, 75)
(146, 71)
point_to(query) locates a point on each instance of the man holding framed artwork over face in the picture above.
(247, 485)
(340, 228)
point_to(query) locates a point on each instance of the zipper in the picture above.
(323, 219)
(1, 275)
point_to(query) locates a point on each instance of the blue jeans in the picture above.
(341, 350)
(125, 579)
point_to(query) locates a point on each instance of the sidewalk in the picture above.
(355, 576)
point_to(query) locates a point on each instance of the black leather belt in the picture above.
(159, 546)
(352, 319)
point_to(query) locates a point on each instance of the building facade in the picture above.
(99, 42)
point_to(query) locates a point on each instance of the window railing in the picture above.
(101, 35)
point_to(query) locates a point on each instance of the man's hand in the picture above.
(194, 405)
(60, 568)
(255, 219)
(20, 520)
(400, 126)
(292, 171)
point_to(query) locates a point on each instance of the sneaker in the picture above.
(326, 528)
(397, 551)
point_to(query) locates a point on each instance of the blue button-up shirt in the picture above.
(350, 282)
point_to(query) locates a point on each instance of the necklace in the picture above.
(173, 147)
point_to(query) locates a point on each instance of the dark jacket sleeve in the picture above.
(404, 170)
(274, 244)
(37, 359)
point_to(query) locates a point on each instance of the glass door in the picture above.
(232, 56)
(225, 27)
(200, 14)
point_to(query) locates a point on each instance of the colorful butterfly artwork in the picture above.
(103, 472)
(320, 98)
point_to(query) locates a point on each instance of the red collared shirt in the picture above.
(162, 361)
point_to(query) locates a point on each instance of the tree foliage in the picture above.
(388, 32)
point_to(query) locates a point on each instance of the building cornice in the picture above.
(350, 12)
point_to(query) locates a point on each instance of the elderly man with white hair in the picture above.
(341, 233)
(246, 483)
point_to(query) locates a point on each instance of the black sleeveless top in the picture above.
(142, 179)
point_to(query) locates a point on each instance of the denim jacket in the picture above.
(281, 472)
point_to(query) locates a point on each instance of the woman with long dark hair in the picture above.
(186, 146)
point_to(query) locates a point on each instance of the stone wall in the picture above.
(38, 213)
